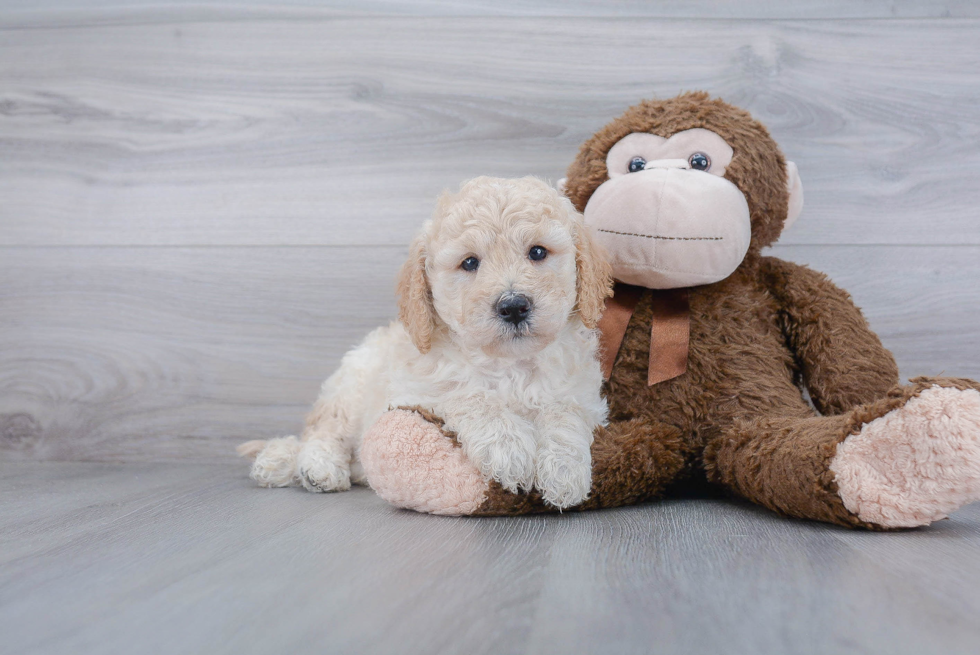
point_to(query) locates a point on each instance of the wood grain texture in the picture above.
(234, 128)
(139, 354)
(46, 11)
(192, 558)
(203, 206)
(123, 353)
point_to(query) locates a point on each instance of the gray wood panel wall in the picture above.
(203, 206)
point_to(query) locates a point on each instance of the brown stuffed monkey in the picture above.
(707, 346)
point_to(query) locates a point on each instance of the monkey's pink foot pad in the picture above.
(915, 464)
(410, 463)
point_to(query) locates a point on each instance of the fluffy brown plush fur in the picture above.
(737, 417)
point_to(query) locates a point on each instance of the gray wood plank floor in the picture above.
(190, 558)
(49, 10)
(203, 204)
(341, 131)
(180, 353)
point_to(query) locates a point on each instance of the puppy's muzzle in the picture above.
(514, 308)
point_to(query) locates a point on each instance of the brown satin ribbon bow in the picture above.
(670, 330)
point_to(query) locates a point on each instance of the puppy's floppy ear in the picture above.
(594, 281)
(415, 297)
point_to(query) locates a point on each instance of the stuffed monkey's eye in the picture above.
(637, 164)
(699, 161)
(537, 253)
(470, 264)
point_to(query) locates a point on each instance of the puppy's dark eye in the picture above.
(470, 264)
(699, 161)
(637, 164)
(537, 253)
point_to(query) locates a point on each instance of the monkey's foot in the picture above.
(412, 463)
(915, 464)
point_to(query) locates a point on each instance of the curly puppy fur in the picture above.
(522, 397)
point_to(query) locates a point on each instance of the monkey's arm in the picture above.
(842, 362)
(412, 461)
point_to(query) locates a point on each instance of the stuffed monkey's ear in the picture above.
(594, 281)
(415, 297)
(795, 187)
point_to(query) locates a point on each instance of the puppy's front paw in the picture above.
(563, 476)
(511, 464)
(323, 467)
(504, 451)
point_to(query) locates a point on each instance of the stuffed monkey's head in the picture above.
(679, 190)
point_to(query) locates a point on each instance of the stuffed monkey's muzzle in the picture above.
(667, 227)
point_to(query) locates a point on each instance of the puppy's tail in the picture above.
(275, 460)
(251, 448)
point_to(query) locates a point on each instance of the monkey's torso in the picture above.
(740, 364)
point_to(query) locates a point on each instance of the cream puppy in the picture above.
(498, 302)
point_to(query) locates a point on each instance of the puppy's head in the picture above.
(502, 265)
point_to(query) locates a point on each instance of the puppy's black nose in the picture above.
(514, 309)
